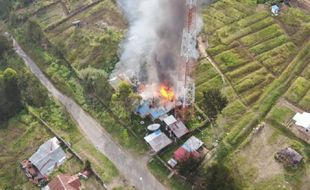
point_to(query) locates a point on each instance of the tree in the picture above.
(34, 32)
(188, 168)
(218, 177)
(97, 80)
(214, 103)
(10, 102)
(33, 92)
(125, 101)
(5, 45)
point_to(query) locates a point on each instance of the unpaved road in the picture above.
(132, 168)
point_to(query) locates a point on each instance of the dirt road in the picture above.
(132, 168)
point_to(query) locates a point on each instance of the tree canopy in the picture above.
(10, 102)
(218, 177)
(214, 103)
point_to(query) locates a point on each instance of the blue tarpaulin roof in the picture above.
(144, 110)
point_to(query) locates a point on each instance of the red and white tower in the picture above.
(186, 85)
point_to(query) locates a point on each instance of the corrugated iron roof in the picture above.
(48, 156)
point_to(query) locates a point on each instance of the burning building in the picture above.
(159, 51)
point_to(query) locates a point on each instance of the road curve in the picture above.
(132, 168)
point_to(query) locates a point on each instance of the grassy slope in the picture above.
(258, 54)
(30, 131)
(65, 75)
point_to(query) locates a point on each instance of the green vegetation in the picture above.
(298, 90)
(30, 132)
(161, 173)
(214, 103)
(10, 103)
(19, 139)
(263, 61)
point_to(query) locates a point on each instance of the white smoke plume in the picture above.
(151, 51)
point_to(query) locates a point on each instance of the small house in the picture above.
(49, 156)
(302, 122)
(289, 157)
(64, 182)
(177, 127)
(158, 140)
(188, 150)
(275, 10)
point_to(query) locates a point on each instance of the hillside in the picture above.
(259, 61)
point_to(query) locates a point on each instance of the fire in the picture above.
(166, 92)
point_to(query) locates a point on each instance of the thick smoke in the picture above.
(151, 51)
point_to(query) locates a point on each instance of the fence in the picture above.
(68, 146)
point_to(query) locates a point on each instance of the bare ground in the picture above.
(260, 153)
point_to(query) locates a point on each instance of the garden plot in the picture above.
(277, 58)
(99, 35)
(51, 15)
(296, 23)
(238, 74)
(204, 72)
(76, 4)
(262, 35)
(231, 59)
(306, 72)
(269, 44)
(224, 12)
(240, 31)
(298, 90)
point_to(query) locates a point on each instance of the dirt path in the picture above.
(134, 169)
(225, 80)
(293, 107)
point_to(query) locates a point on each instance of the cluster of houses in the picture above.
(44, 161)
(160, 137)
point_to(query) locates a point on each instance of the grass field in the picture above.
(264, 59)
(20, 137)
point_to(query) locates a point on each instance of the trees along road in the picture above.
(134, 169)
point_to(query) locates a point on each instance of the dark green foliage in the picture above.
(214, 103)
(269, 1)
(33, 93)
(87, 165)
(9, 94)
(7, 5)
(218, 177)
(5, 45)
(97, 80)
(34, 33)
(189, 169)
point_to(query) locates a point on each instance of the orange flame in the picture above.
(166, 92)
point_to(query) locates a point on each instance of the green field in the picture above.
(265, 59)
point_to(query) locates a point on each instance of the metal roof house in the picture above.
(157, 140)
(302, 120)
(188, 149)
(64, 182)
(177, 127)
(49, 156)
(275, 10)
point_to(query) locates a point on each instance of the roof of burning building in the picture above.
(146, 109)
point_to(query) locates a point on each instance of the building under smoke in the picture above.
(159, 48)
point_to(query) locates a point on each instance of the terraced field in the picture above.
(250, 47)
(265, 60)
